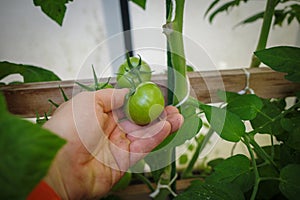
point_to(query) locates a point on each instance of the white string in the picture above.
(186, 95)
(247, 87)
(161, 186)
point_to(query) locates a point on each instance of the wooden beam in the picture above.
(27, 99)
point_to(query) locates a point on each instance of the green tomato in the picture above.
(145, 104)
(125, 73)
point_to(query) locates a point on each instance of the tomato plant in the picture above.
(132, 72)
(145, 104)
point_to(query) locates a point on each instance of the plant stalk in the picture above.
(188, 172)
(256, 174)
(177, 69)
(177, 87)
(265, 29)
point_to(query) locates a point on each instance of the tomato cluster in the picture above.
(145, 102)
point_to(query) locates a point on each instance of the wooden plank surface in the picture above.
(141, 191)
(27, 99)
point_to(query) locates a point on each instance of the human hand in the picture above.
(100, 149)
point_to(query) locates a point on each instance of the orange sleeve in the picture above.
(43, 191)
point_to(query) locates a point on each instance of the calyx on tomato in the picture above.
(133, 72)
(145, 104)
(97, 85)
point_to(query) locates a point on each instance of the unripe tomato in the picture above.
(125, 73)
(145, 104)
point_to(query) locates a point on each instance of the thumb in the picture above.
(110, 99)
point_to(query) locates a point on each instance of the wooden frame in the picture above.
(28, 99)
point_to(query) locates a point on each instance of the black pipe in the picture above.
(126, 26)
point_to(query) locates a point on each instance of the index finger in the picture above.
(111, 99)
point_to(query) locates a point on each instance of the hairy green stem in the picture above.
(177, 87)
(246, 141)
(177, 71)
(259, 150)
(165, 179)
(145, 180)
(265, 29)
(189, 169)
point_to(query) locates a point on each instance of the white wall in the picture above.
(28, 36)
(227, 47)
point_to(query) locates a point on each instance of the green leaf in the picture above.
(213, 191)
(282, 59)
(290, 184)
(264, 119)
(26, 154)
(29, 73)
(251, 19)
(245, 106)
(288, 155)
(141, 3)
(229, 169)
(189, 129)
(280, 15)
(268, 189)
(225, 7)
(228, 125)
(53, 9)
(123, 182)
(213, 163)
(294, 138)
(227, 96)
(211, 6)
(295, 11)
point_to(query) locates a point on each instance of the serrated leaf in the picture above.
(29, 73)
(228, 125)
(53, 9)
(295, 9)
(211, 6)
(293, 140)
(213, 191)
(263, 120)
(251, 19)
(268, 189)
(229, 169)
(227, 96)
(26, 154)
(279, 17)
(290, 184)
(282, 59)
(141, 3)
(225, 7)
(245, 106)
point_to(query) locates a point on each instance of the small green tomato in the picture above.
(125, 74)
(145, 104)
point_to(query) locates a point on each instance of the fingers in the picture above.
(175, 119)
(171, 115)
(140, 146)
(111, 99)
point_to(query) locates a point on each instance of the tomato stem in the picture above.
(177, 84)
(246, 141)
(265, 29)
